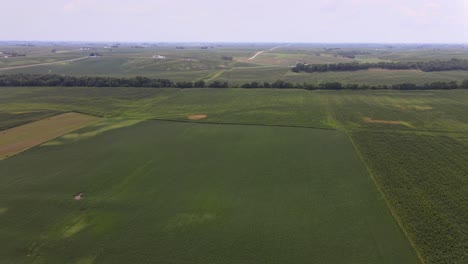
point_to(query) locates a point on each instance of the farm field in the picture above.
(234, 63)
(425, 177)
(383, 171)
(346, 110)
(189, 193)
(12, 119)
(234, 132)
(21, 138)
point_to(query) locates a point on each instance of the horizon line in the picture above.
(242, 42)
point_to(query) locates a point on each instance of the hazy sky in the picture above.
(441, 21)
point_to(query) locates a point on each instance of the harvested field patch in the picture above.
(413, 107)
(196, 117)
(21, 138)
(386, 122)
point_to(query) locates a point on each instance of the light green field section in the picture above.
(350, 110)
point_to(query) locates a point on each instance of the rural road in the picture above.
(40, 64)
(256, 54)
(260, 52)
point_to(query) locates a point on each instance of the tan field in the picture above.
(21, 138)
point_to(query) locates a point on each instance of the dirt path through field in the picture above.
(256, 54)
(260, 52)
(40, 64)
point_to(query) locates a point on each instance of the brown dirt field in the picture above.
(385, 122)
(196, 117)
(21, 138)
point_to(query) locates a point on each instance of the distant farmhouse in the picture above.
(85, 48)
(159, 57)
(95, 55)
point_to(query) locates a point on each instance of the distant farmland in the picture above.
(202, 175)
(193, 63)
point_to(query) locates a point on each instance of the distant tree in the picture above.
(331, 86)
(429, 66)
(464, 84)
(218, 84)
(184, 84)
(139, 81)
(200, 84)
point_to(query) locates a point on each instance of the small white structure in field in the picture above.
(159, 57)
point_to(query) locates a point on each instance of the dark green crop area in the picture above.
(426, 178)
(269, 176)
(165, 192)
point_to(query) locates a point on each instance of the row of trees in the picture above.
(87, 81)
(340, 86)
(427, 66)
(97, 81)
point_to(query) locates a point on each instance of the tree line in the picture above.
(55, 80)
(426, 66)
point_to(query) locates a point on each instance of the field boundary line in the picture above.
(229, 123)
(402, 131)
(387, 202)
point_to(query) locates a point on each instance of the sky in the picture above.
(313, 21)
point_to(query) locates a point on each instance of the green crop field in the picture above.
(227, 188)
(170, 192)
(232, 175)
(425, 177)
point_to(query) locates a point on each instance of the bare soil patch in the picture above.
(78, 197)
(196, 117)
(21, 138)
(385, 122)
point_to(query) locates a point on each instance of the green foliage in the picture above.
(139, 81)
(430, 66)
